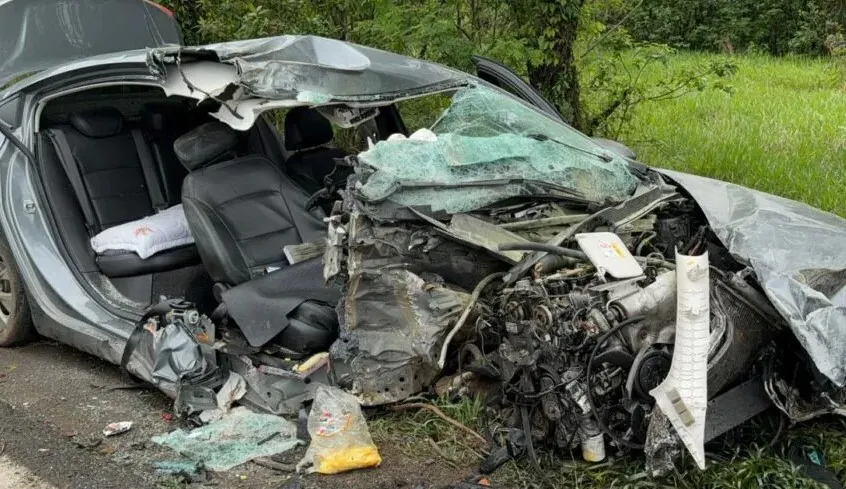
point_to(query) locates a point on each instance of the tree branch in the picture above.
(611, 30)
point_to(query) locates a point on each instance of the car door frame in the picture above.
(503, 77)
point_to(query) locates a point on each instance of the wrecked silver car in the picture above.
(156, 217)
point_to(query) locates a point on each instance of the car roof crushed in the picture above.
(289, 71)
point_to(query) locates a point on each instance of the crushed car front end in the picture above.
(497, 253)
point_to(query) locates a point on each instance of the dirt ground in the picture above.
(13, 476)
(55, 402)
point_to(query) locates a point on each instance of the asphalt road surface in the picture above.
(15, 476)
(55, 402)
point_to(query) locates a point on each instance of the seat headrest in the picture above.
(205, 144)
(161, 117)
(97, 123)
(306, 128)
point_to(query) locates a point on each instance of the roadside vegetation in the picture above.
(781, 128)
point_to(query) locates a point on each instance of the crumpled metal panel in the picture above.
(397, 308)
(798, 254)
(396, 323)
(166, 356)
(322, 69)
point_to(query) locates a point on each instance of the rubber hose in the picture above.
(464, 315)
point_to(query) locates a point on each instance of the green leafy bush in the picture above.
(773, 26)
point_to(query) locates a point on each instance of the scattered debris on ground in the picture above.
(237, 437)
(113, 429)
(185, 470)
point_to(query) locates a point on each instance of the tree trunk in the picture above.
(557, 77)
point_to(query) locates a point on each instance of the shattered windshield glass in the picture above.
(486, 147)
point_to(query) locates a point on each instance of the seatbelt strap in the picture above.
(72, 170)
(148, 167)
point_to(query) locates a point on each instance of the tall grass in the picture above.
(783, 130)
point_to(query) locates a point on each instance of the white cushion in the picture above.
(163, 231)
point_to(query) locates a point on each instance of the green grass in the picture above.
(748, 457)
(421, 431)
(783, 130)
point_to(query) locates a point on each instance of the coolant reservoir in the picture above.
(608, 253)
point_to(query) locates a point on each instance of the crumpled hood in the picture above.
(798, 254)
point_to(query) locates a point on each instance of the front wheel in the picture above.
(15, 317)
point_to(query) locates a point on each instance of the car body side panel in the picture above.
(798, 255)
(62, 306)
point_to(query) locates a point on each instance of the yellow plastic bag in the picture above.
(340, 440)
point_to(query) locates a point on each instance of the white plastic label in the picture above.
(609, 254)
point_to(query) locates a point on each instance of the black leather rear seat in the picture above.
(112, 185)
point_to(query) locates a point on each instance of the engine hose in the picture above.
(464, 315)
(602, 426)
(546, 248)
(561, 251)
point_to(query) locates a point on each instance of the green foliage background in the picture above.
(557, 45)
(773, 26)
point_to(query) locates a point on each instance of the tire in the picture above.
(15, 316)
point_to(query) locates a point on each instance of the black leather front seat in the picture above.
(307, 134)
(242, 212)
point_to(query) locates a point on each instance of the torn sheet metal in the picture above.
(283, 67)
(236, 438)
(395, 322)
(170, 353)
(798, 255)
(401, 297)
(683, 395)
(491, 147)
(278, 390)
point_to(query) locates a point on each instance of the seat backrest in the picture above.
(243, 211)
(104, 151)
(306, 129)
(64, 205)
(307, 134)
